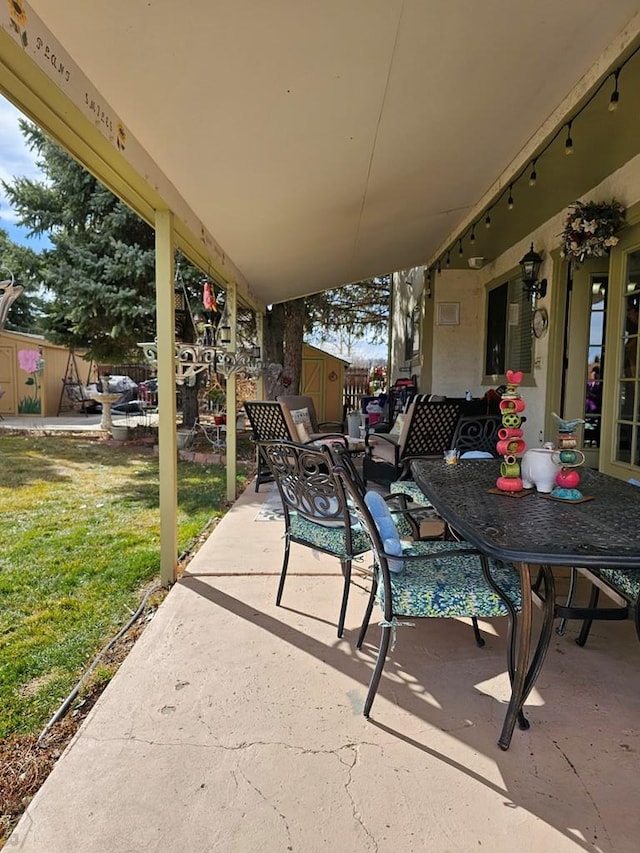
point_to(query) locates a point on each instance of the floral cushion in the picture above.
(411, 489)
(329, 539)
(626, 580)
(450, 585)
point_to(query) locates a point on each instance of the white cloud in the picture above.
(16, 159)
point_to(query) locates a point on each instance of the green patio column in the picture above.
(168, 457)
(232, 303)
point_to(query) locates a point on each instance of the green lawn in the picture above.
(79, 541)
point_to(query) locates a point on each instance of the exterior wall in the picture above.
(33, 392)
(457, 349)
(457, 352)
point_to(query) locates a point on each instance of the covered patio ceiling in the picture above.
(323, 143)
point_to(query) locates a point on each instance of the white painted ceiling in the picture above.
(325, 142)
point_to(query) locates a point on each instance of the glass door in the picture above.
(627, 438)
(586, 353)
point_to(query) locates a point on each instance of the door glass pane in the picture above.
(595, 361)
(628, 419)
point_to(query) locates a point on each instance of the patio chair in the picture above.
(271, 420)
(430, 579)
(303, 411)
(477, 433)
(427, 429)
(315, 508)
(622, 586)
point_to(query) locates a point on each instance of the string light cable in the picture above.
(614, 102)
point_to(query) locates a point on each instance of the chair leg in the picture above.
(346, 571)
(476, 632)
(512, 620)
(385, 637)
(573, 580)
(283, 573)
(581, 639)
(368, 611)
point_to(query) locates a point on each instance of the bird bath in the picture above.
(106, 400)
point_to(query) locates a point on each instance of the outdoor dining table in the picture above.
(536, 533)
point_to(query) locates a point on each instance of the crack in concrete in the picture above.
(586, 791)
(271, 805)
(354, 750)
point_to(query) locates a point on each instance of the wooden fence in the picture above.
(356, 386)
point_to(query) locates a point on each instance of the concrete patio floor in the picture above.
(235, 725)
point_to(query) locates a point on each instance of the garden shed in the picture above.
(322, 379)
(32, 374)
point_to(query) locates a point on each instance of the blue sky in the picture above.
(16, 160)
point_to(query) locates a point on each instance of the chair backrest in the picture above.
(268, 420)
(477, 432)
(295, 402)
(429, 427)
(304, 476)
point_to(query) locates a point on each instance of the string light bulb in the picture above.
(460, 249)
(487, 221)
(568, 143)
(510, 199)
(448, 261)
(472, 237)
(615, 95)
(439, 267)
(533, 177)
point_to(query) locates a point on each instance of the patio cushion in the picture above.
(626, 580)
(386, 528)
(384, 448)
(450, 586)
(396, 429)
(411, 489)
(329, 539)
(302, 420)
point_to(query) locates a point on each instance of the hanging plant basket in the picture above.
(589, 229)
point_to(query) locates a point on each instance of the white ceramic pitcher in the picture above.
(538, 469)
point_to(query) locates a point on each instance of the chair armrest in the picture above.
(382, 439)
(381, 427)
(317, 437)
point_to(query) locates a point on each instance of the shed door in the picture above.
(312, 383)
(7, 381)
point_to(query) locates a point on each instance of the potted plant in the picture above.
(217, 400)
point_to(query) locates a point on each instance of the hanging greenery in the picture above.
(590, 227)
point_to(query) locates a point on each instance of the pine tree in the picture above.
(21, 265)
(100, 270)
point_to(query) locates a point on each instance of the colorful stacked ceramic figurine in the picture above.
(569, 458)
(511, 443)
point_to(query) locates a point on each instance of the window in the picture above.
(628, 416)
(509, 341)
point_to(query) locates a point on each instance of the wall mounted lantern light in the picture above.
(530, 267)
